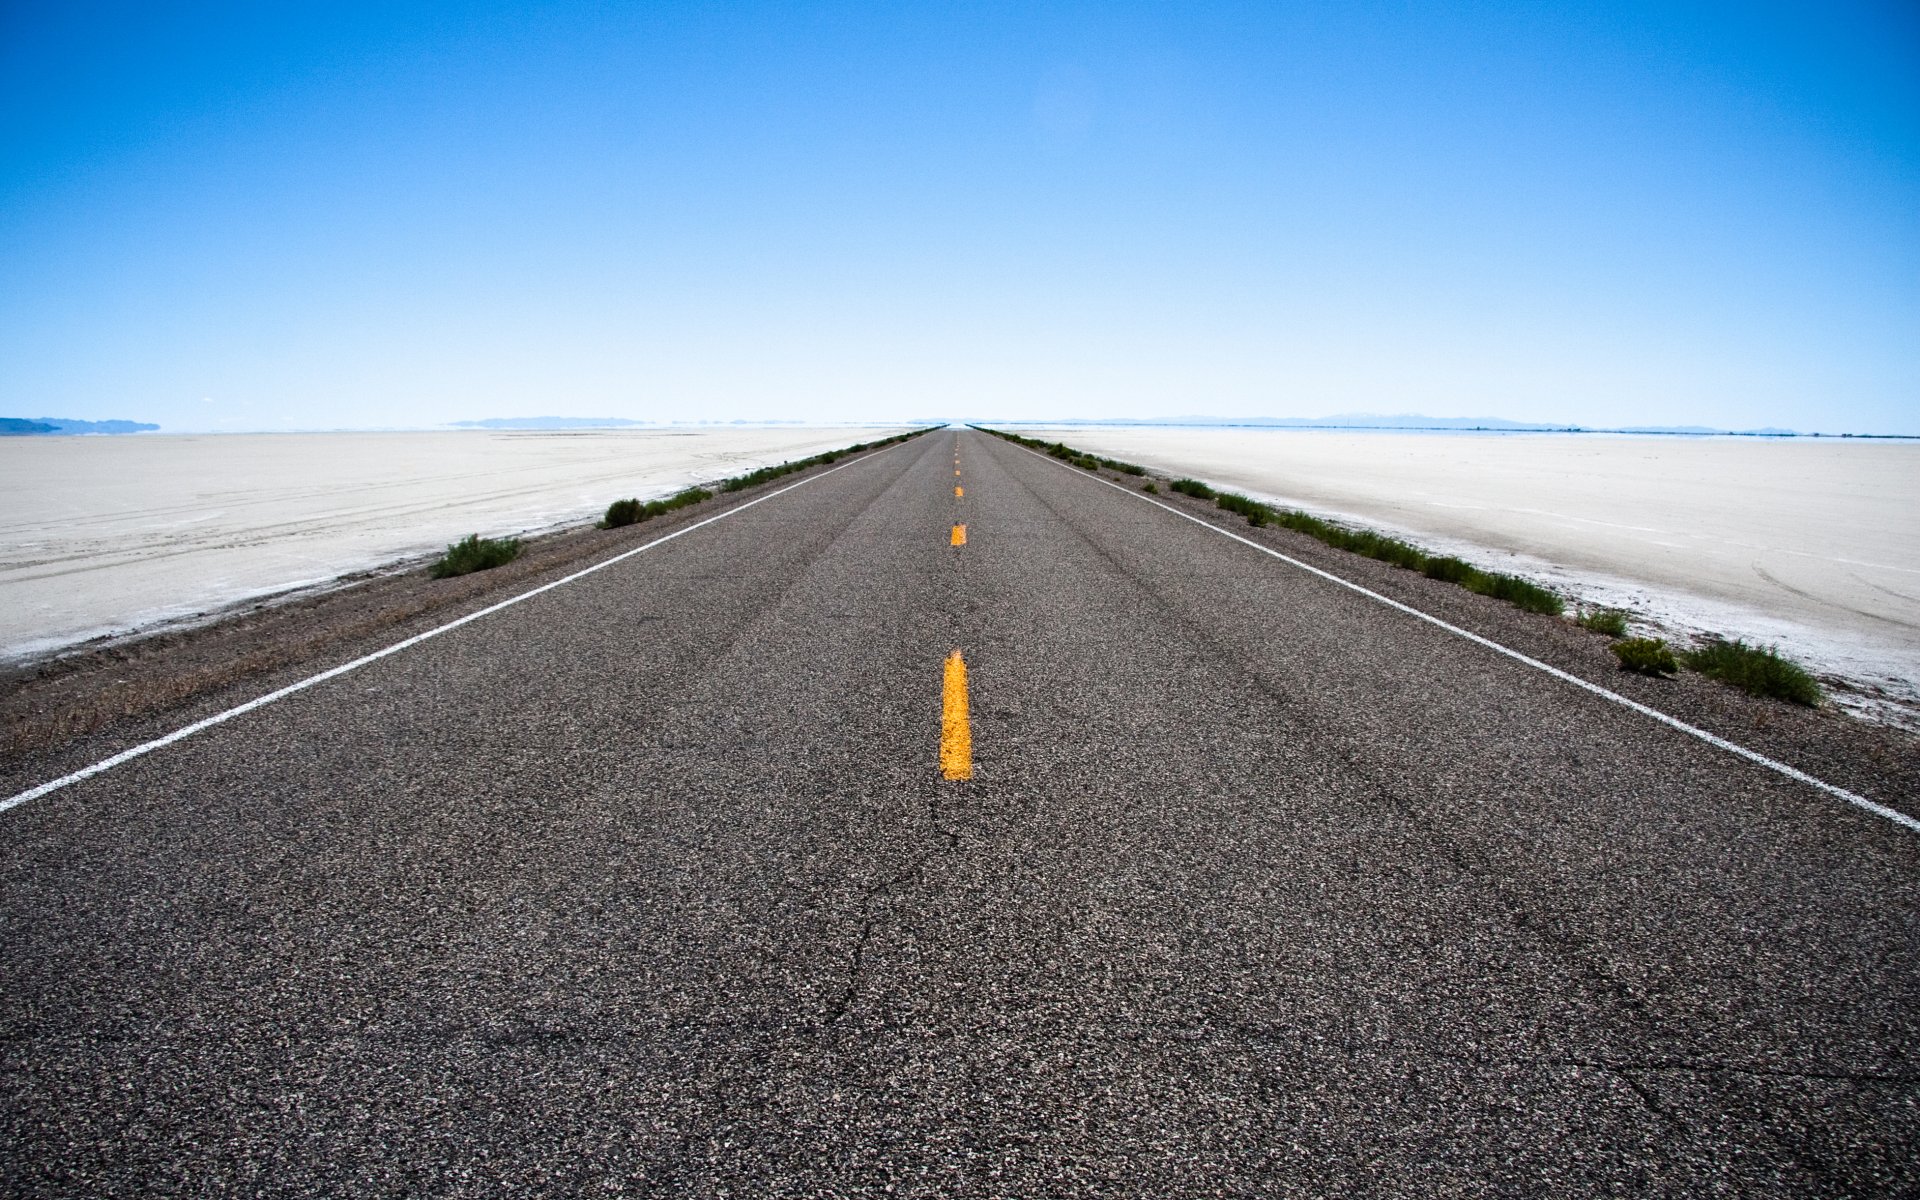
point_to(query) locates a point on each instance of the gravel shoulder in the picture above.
(651, 886)
(65, 710)
(1873, 759)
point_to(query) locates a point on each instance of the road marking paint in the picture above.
(959, 535)
(959, 492)
(956, 470)
(1712, 739)
(956, 728)
(187, 731)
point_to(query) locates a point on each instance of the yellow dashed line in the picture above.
(959, 535)
(959, 491)
(956, 728)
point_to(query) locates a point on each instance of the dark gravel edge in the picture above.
(80, 705)
(1878, 761)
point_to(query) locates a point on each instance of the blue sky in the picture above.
(287, 216)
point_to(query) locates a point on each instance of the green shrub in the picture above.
(1648, 656)
(1150, 489)
(1192, 487)
(475, 553)
(628, 512)
(622, 512)
(1756, 670)
(1610, 621)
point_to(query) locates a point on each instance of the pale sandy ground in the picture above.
(1813, 545)
(106, 534)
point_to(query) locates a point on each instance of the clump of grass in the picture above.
(1192, 487)
(475, 553)
(1648, 656)
(1521, 593)
(1610, 621)
(1448, 569)
(1760, 671)
(1256, 513)
(1150, 489)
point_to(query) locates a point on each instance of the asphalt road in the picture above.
(652, 885)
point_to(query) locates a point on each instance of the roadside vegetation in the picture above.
(1646, 656)
(632, 511)
(1610, 621)
(475, 553)
(1514, 590)
(1759, 671)
(765, 474)
(1067, 454)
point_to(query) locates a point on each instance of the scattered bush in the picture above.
(1756, 670)
(475, 553)
(1648, 656)
(764, 474)
(1150, 489)
(1511, 588)
(621, 512)
(628, 512)
(1066, 453)
(1610, 621)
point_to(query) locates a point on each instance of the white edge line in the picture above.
(187, 731)
(1880, 810)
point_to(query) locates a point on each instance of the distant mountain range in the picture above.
(548, 423)
(1415, 421)
(17, 426)
(589, 423)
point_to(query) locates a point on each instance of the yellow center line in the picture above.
(956, 728)
(958, 491)
(959, 535)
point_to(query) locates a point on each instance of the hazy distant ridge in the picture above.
(17, 426)
(1416, 421)
(548, 423)
(588, 423)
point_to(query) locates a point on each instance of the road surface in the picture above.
(656, 884)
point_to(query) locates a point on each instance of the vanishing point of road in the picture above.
(954, 823)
